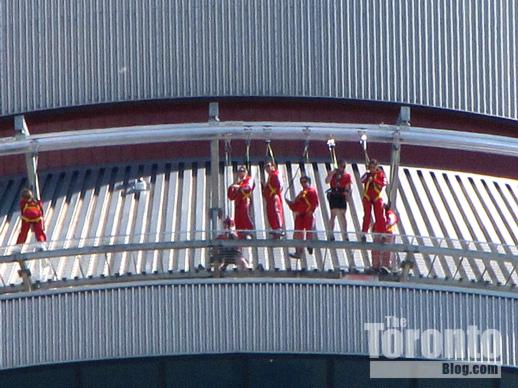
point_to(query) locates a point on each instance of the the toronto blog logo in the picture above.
(393, 339)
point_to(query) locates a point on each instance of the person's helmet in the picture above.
(27, 194)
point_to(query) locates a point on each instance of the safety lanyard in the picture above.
(269, 151)
(331, 145)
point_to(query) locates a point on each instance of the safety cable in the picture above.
(305, 154)
(363, 143)
(331, 145)
(305, 159)
(248, 142)
(269, 151)
(247, 153)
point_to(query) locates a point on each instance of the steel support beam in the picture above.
(394, 170)
(31, 157)
(215, 205)
(403, 122)
(25, 273)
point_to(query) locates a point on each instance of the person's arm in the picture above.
(347, 184)
(314, 200)
(265, 190)
(232, 192)
(248, 187)
(40, 204)
(330, 176)
(276, 182)
(379, 179)
(296, 205)
(391, 219)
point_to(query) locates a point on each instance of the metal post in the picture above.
(31, 159)
(214, 187)
(394, 169)
(25, 273)
(213, 112)
(214, 172)
(403, 120)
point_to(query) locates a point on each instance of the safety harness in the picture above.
(31, 206)
(377, 190)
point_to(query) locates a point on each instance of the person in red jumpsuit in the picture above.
(303, 208)
(340, 187)
(384, 234)
(240, 192)
(32, 217)
(272, 195)
(373, 180)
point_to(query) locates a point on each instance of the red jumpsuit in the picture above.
(272, 196)
(241, 197)
(303, 206)
(32, 218)
(386, 228)
(373, 184)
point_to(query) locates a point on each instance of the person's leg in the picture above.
(298, 234)
(330, 233)
(376, 255)
(247, 219)
(386, 260)
(24, 230)
(340, 215)
(310, 226)
(280, 211)
(366, 214)
(242, 221)
(37, 227)
(379, 213)
(275, 216)
(241, 263)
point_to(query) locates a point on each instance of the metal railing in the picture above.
(377, 133)
(188, 254)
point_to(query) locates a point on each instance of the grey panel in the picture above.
(185, 212)
(298, 316)
(458, 55)
(140, 224)
(119, 261)
(171, 212)
(201, 210)
(156, 216)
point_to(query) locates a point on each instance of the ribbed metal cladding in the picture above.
(459, 54)
(324, 317)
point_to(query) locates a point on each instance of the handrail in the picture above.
(257, 243)
(188, 239)
(409, 245)
(377, 133)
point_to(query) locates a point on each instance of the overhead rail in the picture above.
(377, 133)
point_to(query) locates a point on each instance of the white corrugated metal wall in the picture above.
(455, 54)
(234, 316)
